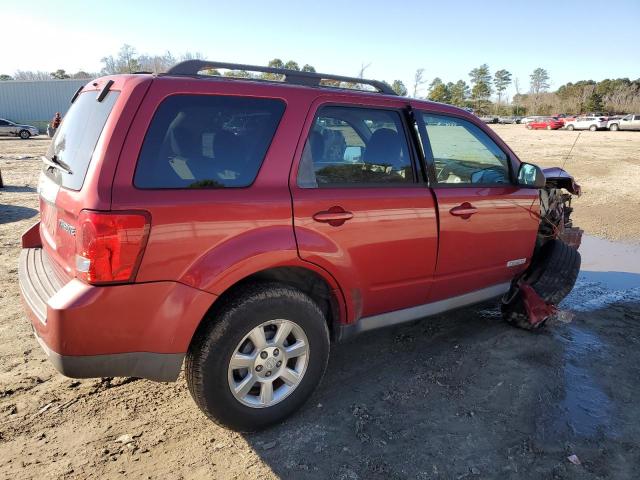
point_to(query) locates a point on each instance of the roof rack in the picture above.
(310, 79)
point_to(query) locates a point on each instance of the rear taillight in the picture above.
(109, 245)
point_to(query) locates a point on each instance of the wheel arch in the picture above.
(308, 278)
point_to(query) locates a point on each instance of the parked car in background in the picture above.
(530, 118)
(489, 119)
(587, 123)
(507, 120)
(630, 122)
(9, 128)
(547, 123)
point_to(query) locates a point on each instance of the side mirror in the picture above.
(531, 176)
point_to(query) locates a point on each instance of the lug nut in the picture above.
(276, 352)
(258, 368)
(264, 355)
(268, 374)
(279, 364)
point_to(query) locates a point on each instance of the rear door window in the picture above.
(206, 141)
(76, 138)
(350, 145)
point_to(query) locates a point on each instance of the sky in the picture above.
(573, 41)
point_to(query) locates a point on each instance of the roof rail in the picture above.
(311, 79)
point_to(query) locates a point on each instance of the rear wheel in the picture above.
(593, 128)
(259, 357)
(553, 274)
(548, 127)
(24, 134)
(614, 127)
(570, 127)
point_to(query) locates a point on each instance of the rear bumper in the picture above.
(161, 367)
(141, 330)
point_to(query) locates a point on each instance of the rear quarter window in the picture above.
(206, 141)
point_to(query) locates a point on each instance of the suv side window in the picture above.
(353, 145)
(207, 141)
(462, 153)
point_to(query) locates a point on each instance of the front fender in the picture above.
(559, 178)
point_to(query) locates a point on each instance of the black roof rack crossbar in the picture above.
(312, 79)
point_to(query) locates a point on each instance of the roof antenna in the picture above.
(571, 150)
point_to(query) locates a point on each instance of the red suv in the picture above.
(244, 223)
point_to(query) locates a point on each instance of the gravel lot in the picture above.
(455, 396)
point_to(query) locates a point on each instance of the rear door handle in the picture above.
(335, 216)
(464, 210)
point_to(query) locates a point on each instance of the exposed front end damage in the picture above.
(555, 265)
(555, 208)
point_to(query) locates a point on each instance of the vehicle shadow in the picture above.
(464, 395)
(15, 213)
(18, 189)
(18, 139)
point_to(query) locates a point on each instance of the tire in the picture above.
(257, 307)
(570, 128)
(614, 127)
(553, 274)
(24, 134)
(548, 127)
(529, 127)
(593, 128)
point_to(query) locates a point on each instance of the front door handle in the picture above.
(335, 216)
(464, 210)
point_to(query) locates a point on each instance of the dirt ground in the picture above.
(455, 396)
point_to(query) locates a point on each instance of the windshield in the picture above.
(76, 139)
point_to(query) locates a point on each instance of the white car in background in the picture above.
(9, 128)
(587, 123)
(530, 118)
(630, 122)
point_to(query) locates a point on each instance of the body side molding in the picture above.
(414, 313)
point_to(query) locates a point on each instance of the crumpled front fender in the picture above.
(559, 178)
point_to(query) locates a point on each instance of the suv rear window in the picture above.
(76, 138)
(205, 141)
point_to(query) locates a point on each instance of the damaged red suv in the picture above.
(239, 226)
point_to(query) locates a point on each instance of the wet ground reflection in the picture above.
(586, 409)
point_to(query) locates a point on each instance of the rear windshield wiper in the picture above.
(54, 162)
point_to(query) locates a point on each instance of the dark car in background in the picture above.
(489, 119)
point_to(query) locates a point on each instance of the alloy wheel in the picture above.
(268, 363)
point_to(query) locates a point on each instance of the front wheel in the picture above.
(593, 128)
(259, 357)
(552, 274)
(614, 127)
(529, 127)
(548, 127)
(570, 128)
(24, 134)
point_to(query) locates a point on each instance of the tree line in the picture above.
(485, 93)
